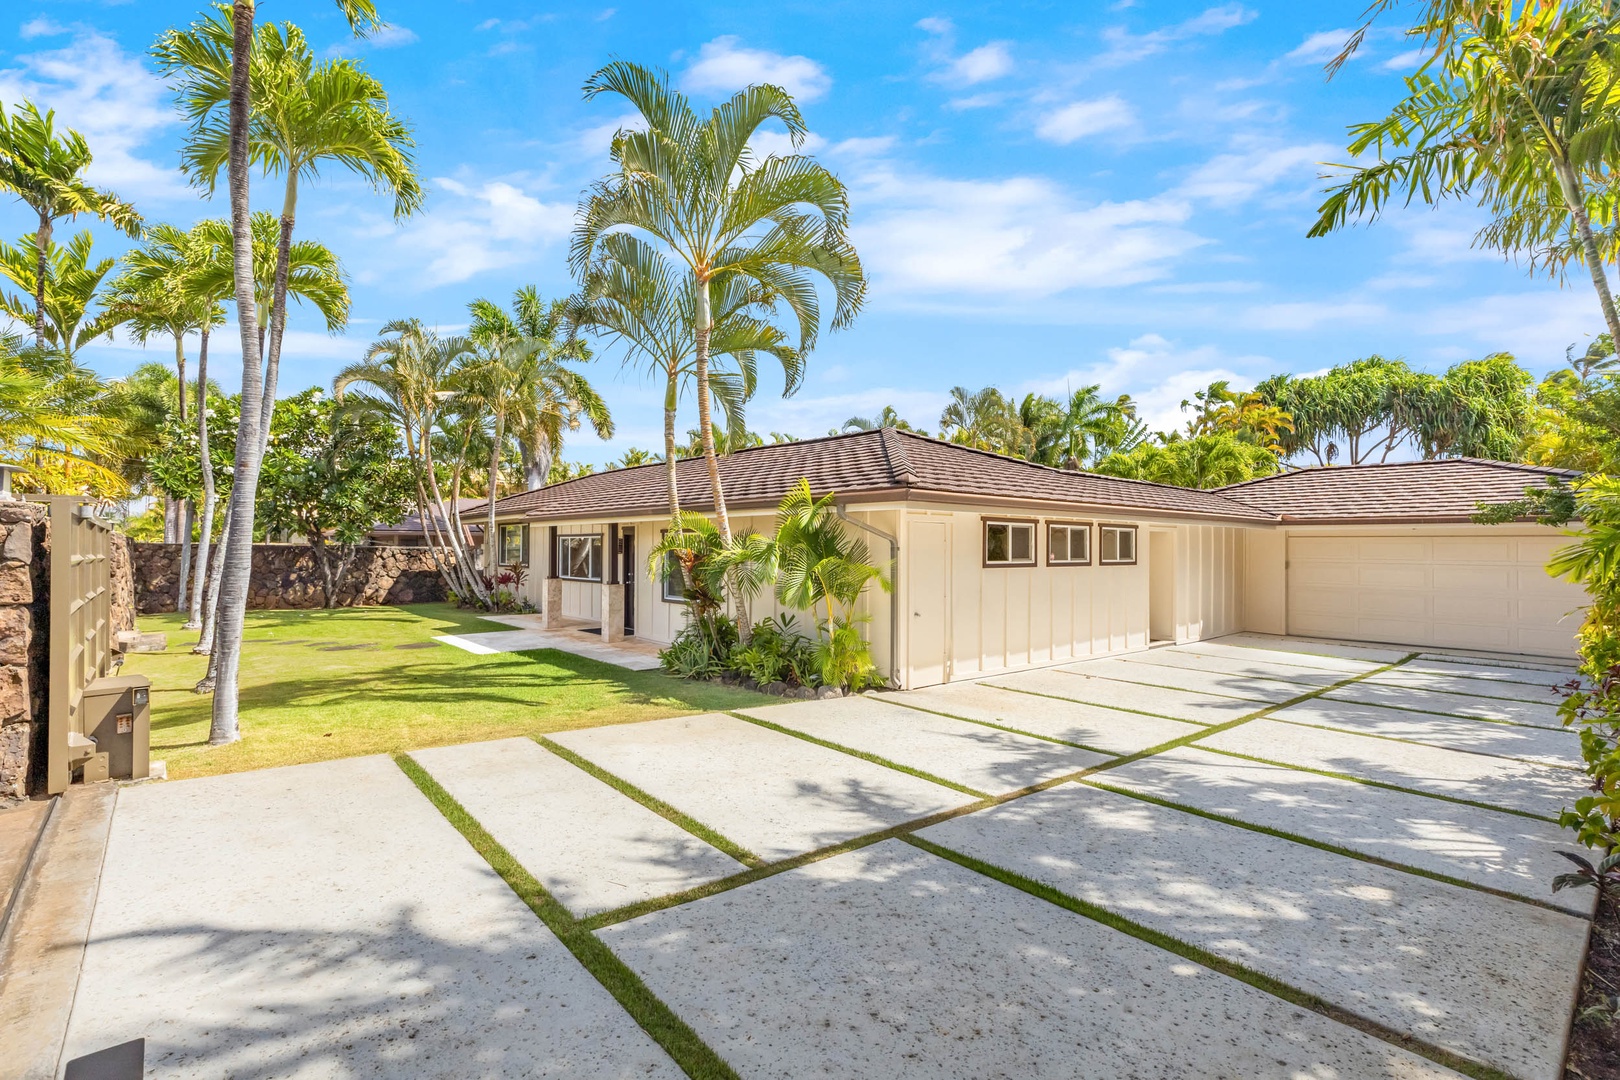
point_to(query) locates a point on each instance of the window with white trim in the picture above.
(1068, 545)
(1009, 543)
(511, 550)
(1116, 545)
(579, 558)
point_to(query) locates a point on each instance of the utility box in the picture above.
(117, 712)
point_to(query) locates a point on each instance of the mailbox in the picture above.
(117, 712)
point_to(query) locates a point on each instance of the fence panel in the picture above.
(81, 631)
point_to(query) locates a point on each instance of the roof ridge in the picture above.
(894, 451)
(1546, 470)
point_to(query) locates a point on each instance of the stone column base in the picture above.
(612, 612)
(551, 611)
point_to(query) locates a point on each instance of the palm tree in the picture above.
(696, 189)
(55, 425)
(415, 378)
(46, 170)
(262, 97)
(71, 286)
(555, 397)
(887, 418)
(635, 296)
(1522, 116)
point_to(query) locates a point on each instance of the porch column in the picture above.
(551, 609)
(612, 588)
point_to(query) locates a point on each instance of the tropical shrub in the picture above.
(701, 649)
(777, 652)
(843, 658)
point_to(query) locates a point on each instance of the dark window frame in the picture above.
(987, 523)
(566, 540)
(1082, 527)
(1103, 528)
(522, 544)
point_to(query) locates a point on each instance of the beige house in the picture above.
(999, 564)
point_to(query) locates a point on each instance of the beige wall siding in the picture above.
(1209, 575)
(1265, 581)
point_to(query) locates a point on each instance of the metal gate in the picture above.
(81, 631)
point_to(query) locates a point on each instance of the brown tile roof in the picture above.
(1447, 489)
(870, 464)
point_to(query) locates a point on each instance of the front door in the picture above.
(928, 599)
(627, 574)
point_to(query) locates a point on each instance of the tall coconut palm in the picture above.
(71, 287)
(696, 189)
(45, 169)
(635, 296)
(1517, 108)
(261, 97)
(556, 398)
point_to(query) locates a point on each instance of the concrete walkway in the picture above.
(530, 634)
(1222, 859)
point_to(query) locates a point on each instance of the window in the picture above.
(1068, 545)
(511, 549)
(1009, 543)
(1117, 543)
(674, 583)
(579, 558)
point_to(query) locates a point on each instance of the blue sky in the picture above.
(1045, 195)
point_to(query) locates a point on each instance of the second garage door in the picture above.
(1467, 590)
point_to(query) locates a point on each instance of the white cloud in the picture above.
(1319, 47)
(1017, 238)
(475, 227)
(1435, 243)
(1535, 325)
(111, 98)
(40, 26)
(1405, 61)
(934, 25)
(725, 66)
(1310, 314)
(862, 147)
(979, 65)
(766, 143)
(1125, 47)
(1078, 119)
(596, 141)
(1235, 177)
(390, 37)
(809, 415)
(977, 101)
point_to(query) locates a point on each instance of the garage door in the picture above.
(1457, 590)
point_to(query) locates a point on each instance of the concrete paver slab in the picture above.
(1511, 660)
(592, 847)
(1489, 673)
(1464, 684)
(1269, 691)
(1477, 736)
(889, 962)
(1160, 701)
(45, 939)
(325, 920)
(1256, 653)
(1110, 730)
(1489, 978)
(1401, 697)
(1224, 665)
(634, 655)
(1507, 852)
(1344, 650)
(984, 759)
(1494, 781)
(772, 793)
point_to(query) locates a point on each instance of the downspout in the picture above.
(894, 591)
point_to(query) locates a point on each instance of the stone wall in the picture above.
(24, 616)
(286, 576)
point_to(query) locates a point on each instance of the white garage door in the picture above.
(1439, 590)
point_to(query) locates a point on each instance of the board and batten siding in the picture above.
(1209, 587)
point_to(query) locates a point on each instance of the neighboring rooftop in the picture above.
(410, 526)
(1445, 489)
(866, 465)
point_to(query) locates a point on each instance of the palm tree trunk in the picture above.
(233, 590)
(205, 539)
(669, 454)
(1575, 201)
(700, 336)
(188, 518)
(491, 541)
(210, 613)
(42, 239)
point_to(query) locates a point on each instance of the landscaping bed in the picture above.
(1594, 1041)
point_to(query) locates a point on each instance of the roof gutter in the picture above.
(894, 591)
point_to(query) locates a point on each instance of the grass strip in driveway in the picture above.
(658, 1020)
(655, 804)
(864, 755)
(1324, 845)
(1265, 983)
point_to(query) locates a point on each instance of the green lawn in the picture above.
(318, 685)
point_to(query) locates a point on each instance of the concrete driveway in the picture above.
(1256, 857)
